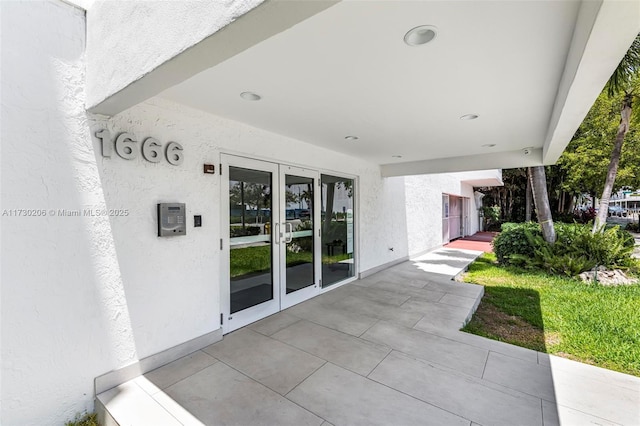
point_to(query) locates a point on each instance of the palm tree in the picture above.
(527, 198)
(624, 79)
(538, 180)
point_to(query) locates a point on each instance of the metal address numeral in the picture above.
(152, 150)
(174, 153)
(105, 137)
(125, 145)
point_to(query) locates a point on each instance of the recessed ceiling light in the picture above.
(396, 156)
(351, 138)
(469, 117)
(420, 35)
(489, 145)
(250, 96)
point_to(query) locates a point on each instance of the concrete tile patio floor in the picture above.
(384, 350)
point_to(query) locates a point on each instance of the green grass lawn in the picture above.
(589, 323)
(251, 260)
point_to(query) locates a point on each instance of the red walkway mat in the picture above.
(479, 242)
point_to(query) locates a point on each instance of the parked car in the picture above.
(617, 211)
(305, 214)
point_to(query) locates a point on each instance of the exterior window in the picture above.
(337, 229)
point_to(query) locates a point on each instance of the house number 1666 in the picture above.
(125, 146)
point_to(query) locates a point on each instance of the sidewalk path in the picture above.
(636, 251)
(480, 241)
(382, 350)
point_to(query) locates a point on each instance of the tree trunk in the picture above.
(561, 202)
(331, 187)
(309, 199)
(572, 205)
(242, 203)
(510, 206)
(541, 200)
(527, 199)
(623, 128)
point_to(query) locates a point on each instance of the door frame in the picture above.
(281, 300)
(464, 225)
(445, 218)
(247, 316)
(291, 299)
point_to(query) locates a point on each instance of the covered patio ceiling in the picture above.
(345, 79)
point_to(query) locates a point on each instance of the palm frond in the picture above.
(629, 67)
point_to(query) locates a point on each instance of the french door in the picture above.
(270, 238)
(455, 217)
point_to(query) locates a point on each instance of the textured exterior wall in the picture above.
(205, 136)
(424, 208)
(63, 319)
(382, 221)
(128, 39)
(83, 295)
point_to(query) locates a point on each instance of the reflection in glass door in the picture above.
(250, 266)
(299, 245)
(271, 254)
(337, 229)
(445, 219)
(251, 260)
(455, 217)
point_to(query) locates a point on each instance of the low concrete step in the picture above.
(139, 402)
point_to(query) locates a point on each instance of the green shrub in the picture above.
(557, 259)
(613, 247)
(513, 241)
(576, 249)
(305, 243)
(236, 231)
(336, 231)
(491, 218)
(633, 227)
(629, 240)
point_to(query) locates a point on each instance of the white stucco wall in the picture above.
(424, 208)
(147, 34)
(61, 306)
(137, 49)
(205, 136)
(85, 295)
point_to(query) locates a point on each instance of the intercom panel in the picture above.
(171, 219)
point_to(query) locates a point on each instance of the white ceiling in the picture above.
(346, 71)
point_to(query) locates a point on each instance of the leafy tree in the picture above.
(586, 158)
(509, 198)
(254, 195)
(512, 197)
(559, 199)
(623, 80)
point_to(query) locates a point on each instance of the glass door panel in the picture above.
(299, 251)
(270, 239)
(299, 244)
(337, 229)
(445, 219)
(251, 259)
(455, 217)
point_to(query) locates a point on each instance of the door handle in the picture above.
(289, 231)
(276, 234)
